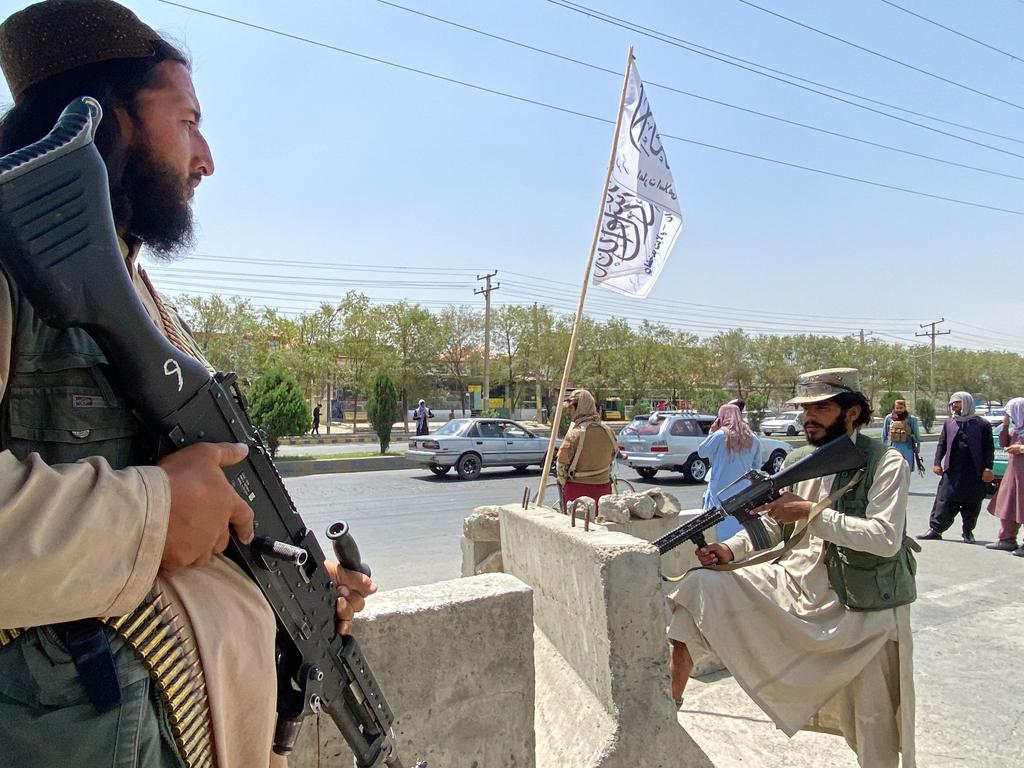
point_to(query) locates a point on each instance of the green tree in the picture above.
(459, 332)
(754, 409)
(278, 407)
(926, 413)
(709, 400)
(382, 409)
(233, 335)
(887, 401)
(416, 347)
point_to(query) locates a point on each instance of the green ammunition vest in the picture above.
(59, 400)
(863, 581)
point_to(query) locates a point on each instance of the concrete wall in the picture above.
(455, 660)
(601, 653)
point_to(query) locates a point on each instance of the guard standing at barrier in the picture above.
(819, 636)
(587, 453)
(90, 527)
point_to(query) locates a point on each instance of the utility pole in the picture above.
(933, 333)
(486, 291)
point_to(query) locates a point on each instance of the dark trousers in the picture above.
(944, 512)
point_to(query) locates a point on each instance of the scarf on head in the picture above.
(738, 436)
(586, 408)
(966, 406)
(1015, 407)
(421, 409)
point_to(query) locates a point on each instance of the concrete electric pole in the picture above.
(486, 291)
(933, 333)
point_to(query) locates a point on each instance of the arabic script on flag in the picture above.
(641, 217)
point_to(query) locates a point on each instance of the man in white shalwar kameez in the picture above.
(781, 628)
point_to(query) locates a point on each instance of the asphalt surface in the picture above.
(968, 620)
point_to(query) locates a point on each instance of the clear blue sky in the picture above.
(329, 160)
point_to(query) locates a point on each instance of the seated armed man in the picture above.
(819, 637)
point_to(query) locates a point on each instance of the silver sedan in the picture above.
(469, 445)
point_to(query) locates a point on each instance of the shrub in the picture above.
(277, 407)
(754, 409)
(708, 400)
(382, 409)
(888, 400)
(926, 413)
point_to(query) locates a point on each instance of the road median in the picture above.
(306, 467)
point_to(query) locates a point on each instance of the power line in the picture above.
(755, 68)
(950, 29)
(883, 56)
(694, 142)
(700, 97)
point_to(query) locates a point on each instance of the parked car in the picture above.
(469, 445)
(668, 440)
(993, 414)
(787, 423)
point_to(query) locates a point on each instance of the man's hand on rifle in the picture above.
(788, 508)
(713, 554)
(203, 505)
(353, 589)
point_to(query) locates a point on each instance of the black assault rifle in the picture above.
(757, 488)
(58, 243)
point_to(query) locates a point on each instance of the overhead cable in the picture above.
(879, 54)
(950, 29)
(700, 97)
(565, 110)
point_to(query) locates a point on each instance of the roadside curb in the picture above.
(307, 467)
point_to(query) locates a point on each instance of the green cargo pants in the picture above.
(46, 719)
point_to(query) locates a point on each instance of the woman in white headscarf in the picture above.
(732, 448)
(1008, 503)
(963, 459)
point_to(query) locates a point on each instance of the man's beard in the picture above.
(834, 430)
(153, 203)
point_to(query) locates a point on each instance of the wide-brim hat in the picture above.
(56, 36)
(818, 386)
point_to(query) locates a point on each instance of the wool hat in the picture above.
(55, 36)
(817, 386)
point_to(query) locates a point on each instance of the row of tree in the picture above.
(436, 354)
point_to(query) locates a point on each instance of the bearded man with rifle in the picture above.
(818, 634)
(126, 637)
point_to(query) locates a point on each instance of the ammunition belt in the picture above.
(173, 664)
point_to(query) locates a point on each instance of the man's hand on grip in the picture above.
(203, 504)
(353, 589)
(713, 554)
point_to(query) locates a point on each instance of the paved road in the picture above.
(967, 622)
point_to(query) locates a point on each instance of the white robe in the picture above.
(805, 659)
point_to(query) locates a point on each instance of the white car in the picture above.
(787, 423)
(993, 414)
(668, 440)
(469, 445)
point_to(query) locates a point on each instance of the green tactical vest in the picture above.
(863, 581)
(59, 400)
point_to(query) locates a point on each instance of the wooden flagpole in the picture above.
(583, 292)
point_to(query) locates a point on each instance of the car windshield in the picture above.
(452, 427)
(792, 414)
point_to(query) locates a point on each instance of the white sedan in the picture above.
(469, 445)
(788, 423)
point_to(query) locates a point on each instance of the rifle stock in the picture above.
(58, 242)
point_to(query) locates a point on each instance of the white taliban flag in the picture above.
(641, 218)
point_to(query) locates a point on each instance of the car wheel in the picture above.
(646, 472)
(468, 466)
(438, 470)
(520, 467)
(775, 462)
(696, 469)
(791, 430)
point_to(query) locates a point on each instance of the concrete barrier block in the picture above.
(680, 559)
(474, 553)
(455, 660)
(482, 525)
(598, 602)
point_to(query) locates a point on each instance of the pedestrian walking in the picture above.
(1008, 503)
(963, 459)
(901, 431)
(316, 420)
(422, 415)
